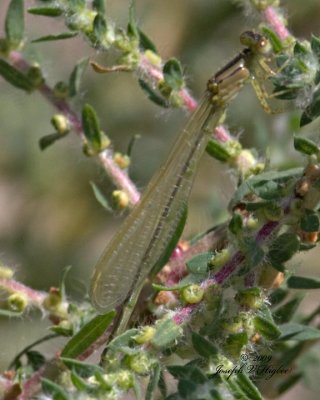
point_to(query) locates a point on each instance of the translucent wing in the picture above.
(142, 238)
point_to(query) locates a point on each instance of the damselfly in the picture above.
(141, 240)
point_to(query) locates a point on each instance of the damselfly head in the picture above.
(256, 42)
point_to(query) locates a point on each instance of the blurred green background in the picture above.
(49, 217)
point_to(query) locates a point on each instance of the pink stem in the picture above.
(276, 22)
(32, 385)
(13, 286)
(156, 75)
(116, 174)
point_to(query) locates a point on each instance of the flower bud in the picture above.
(105, 141)
(252, 223)
(245, 161)
(273, 213)
(250, 298)
(88, 150)
(53, 298)
(140, 363)
(124, 379)
(234, 343)
(233, 326)
(220, 258)
(35, 75)
(153, 58)
(82, 21)
(145, 335)
(122, 160)
(192, 294)
(120, 198)
(60, 123)
(61, 90)
(17, 302)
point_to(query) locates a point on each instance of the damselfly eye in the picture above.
(263, 46)
(255, 41)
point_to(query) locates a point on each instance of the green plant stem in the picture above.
(30, 346)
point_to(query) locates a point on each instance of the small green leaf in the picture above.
(100, 197)
(312, 111)
(234, 343)
(51, 38)
(35, 359)
(234, 388)
(279, 267)
(186, 389)
(217, 150)
(172, 242)
(153, 382)
(15, 77)
(310, 221)
(305, 146)
(285, 312)
(61, 330)
(266, 328)
(284, 247)
(258, 181)
(303, 282)
(48, 140)
(99, 5)
(199, 263)
(82, 368)
(162, 385)
(289, 382)
(53, 389)
(76, 76)
(167, 331)
(146, 43)
(180, 371)
(14, 23)
(91, 127)
(248, 387)
(100, 28)
(235, 224)
(123, 340)
(277, 296)
(153, 95)
(267, 190)
(293, 331)
(132, 29)
(258, 205)
(55, 11)
(79, 383)
(300, 49)
(87, 335)
(203, 346)
(305, 119)
(276, 43)
(315, 46)
(173, 74)
(137, 388)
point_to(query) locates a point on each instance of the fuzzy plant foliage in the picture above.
(221, 321)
